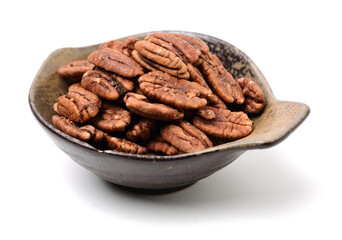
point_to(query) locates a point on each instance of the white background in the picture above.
(290, 191)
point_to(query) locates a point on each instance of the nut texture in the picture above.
(122, 145)
(142, 130)
(226, 124)
(162, 59)
(79, 105)
(253, 94)
(178, 93)
(126, 47)
(185, 137)
(221, 80)
(196, 76)
(114, 61)
(140, 105)
(105, 84)
(160, 145)
(85, 133)
(112, 118)
(73, 71)
(178, 46)
(200, 46)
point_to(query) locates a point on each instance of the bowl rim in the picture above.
(226, 146)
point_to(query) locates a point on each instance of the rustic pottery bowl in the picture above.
(164, 173)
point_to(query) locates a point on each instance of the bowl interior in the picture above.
(278, 119)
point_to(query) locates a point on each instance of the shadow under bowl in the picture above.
(150, 173)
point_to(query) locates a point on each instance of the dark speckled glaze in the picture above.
(164, 173)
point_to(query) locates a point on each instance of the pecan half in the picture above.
(178, 46)
(142, 130)
(129, 45)
(200, 46)
(142, 61)
(140, 105)
(105, 84)
(178, 93)
(254, 96)
(196, 76)
(160, 145)
(123, 145)
(113, 44)
(79, 105)
(114, 61)
(125, 47)
(162, 59)
(73, 71)
(221, 80)
(112, 118)
(185, 137)
(226, 124)
(85, 133)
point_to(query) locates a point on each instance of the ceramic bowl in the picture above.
(164, 173)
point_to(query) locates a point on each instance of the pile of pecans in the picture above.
(166, 94)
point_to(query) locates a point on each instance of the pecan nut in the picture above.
(162, 59)
(78, 105)
(125, 47)
(222, 82)
(160, 145)
(200, 46)
(254, 96)
(140, 105)
(178, 93)
(85, 133)
(114, 61)
(186, 137)
(196, 76)
(225, 125)
(123, 145)
(178, 46)
(142, 130)
(74, 71)
(112, 118)
(105, 84)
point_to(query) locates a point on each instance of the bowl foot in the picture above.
(153, 191)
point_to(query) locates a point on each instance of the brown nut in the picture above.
(178, 93)
(112, 118)
(129, 45)
(196, 76)
(186, 137)
(85, 133)
(73, 71)
(200, 46)
(221, 81)
(178, 46)
(254, 96)
(160, 145)
(142, 61)
(122, 145)
(105, 84)
(126, 47)
(226, 124)
(140, 105)
(142, 130)
(162, 59)
(79, 105)
(114, 61)
(206, 113)
(113, 44)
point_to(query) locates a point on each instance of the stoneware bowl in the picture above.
(164, 173)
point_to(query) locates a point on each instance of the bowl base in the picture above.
(152, 191)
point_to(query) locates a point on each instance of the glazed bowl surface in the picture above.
(164, 173)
